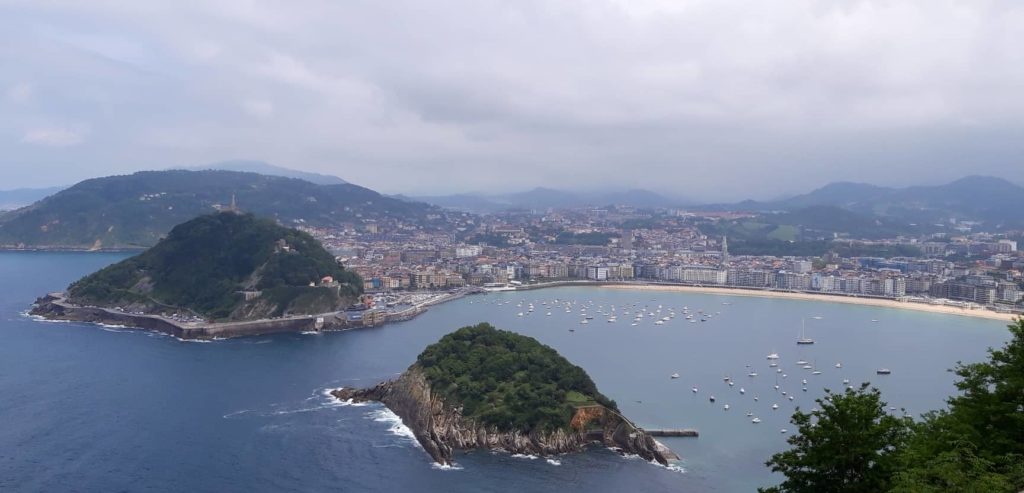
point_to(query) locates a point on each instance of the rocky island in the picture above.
(239, 272)
(483, 388)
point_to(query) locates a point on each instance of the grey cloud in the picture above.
(708, 99)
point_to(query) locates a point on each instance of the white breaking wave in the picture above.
(675, 468)
(236, 413)
(525, 456)
(554, 462)
(443, 467)
(671, 467)
(385, 415)
(40, 318)
(197, 341)
(334, 401)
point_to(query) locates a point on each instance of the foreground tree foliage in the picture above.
(975, 445)
(848, 445)
(507, 380)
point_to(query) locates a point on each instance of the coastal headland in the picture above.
(506, 400)
(55, 306)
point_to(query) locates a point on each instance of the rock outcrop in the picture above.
(441, 429)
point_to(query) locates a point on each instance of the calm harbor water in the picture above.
(86, 408)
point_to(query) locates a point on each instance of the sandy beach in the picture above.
(905, 305)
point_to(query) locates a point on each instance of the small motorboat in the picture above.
(731, 383)
(839, 365)
(725, 407)
(694, 390)
(742, 391)
(674, 375)
(712, 398)
(755, 420)
(883, 371)
(775, 406)
(783, 431)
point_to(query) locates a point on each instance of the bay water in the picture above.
(89, 408)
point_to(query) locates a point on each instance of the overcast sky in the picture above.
(711, 99)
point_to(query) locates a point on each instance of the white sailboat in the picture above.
(804, 340)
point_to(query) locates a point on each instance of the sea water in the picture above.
(88, 409)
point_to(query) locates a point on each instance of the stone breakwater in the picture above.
(441, 429)
(55, 307)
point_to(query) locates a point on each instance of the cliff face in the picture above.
(441, 428)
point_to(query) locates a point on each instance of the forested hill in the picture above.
(507, 380)
(204, 264)
(137, 210)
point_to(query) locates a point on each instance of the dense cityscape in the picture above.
(967, 269)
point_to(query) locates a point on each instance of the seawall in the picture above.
(55, 307)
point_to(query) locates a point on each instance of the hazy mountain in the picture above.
(20, 197)
(271, 170)
(548, 198)
(994, 201)
(137, 209)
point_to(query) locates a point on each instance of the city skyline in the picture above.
(747, 101)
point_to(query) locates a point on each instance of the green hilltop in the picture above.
(137, 210)
(507, 380)
(203, 266)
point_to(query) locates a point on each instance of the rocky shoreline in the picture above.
(55, 307)
(441, 429)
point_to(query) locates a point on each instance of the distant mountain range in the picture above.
(136, 210)
(546, 198)
(20, 197)
(993, 201)
(264, 168)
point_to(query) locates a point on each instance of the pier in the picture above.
(681, 432)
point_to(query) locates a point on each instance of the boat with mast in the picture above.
(804, 340)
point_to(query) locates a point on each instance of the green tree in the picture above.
(849, 445)
(507, 380)
(977, 444)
